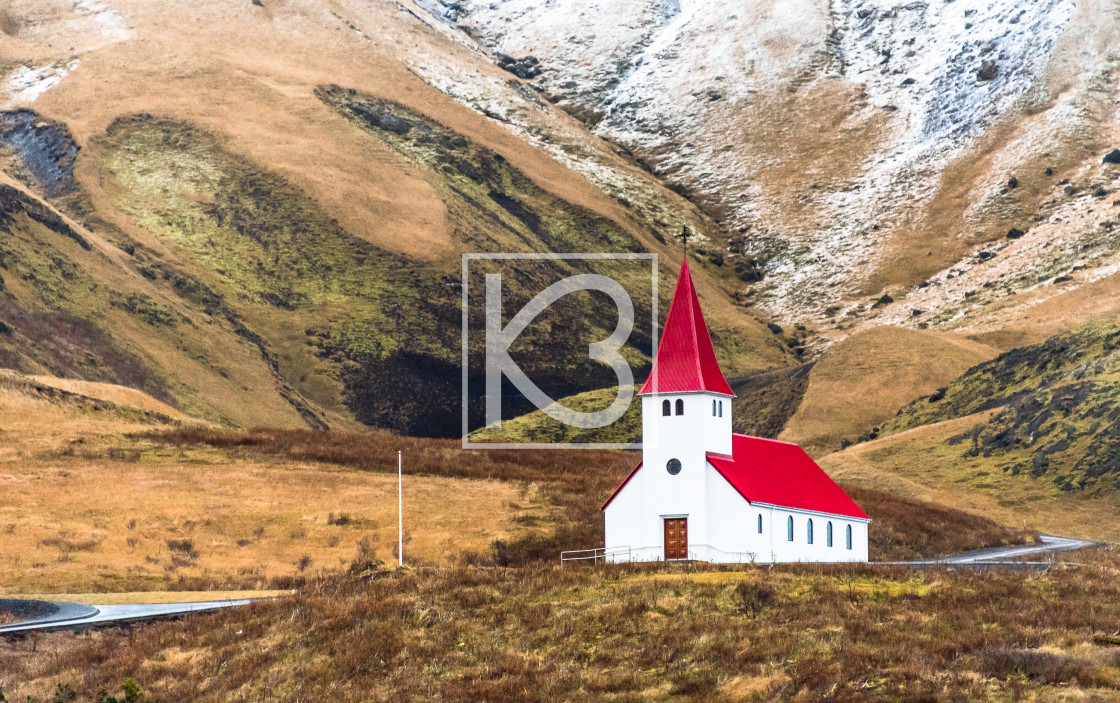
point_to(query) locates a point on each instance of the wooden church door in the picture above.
(676, 538)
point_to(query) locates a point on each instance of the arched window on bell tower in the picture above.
(680, 406)
(666, 407)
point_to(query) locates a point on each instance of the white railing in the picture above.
(594, 555)
(736, 557)
(696, 552)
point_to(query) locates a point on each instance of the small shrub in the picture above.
(132, 693)
(183, 546)
(751, 598)
(63, 693)
(125, 455)
(304, 562)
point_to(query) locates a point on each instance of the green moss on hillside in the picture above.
(538, 427)
(1061, 416)
(1083, 353)
(388, 326)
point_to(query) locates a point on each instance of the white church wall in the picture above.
(685, 438)
(799, 549)
(623, 525)
(731, 522)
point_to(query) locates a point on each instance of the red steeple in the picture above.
(685, 359)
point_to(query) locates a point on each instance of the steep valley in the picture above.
(255, 213)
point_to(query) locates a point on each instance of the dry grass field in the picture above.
(919, 463)
(114, 503)
(870, 376)
(87, 508)
(655, 632)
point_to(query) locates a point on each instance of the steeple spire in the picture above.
(686, 361)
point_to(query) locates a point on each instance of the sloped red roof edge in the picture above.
(783, 507)
(716, 460)
(619, 489)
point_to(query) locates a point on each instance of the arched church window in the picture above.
(666, 407)
(789, 528)
(760, 523)
(828, 534)
(810, 530)
(680, 406)
(849, 536)
(721, 408)
(713, 408)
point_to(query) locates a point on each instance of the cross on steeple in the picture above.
(685, 235)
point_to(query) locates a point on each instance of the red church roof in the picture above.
(775, 473)
(685, 358)
(780, 473)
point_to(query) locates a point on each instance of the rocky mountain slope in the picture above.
(255, 212)
(851, 150)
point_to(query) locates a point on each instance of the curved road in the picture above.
(1003, 556)
(72, 616)
(63, 616)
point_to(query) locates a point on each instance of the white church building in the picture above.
(703, 492)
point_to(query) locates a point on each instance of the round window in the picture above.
(674, 466)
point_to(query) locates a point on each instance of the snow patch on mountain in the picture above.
(681, 82)
(26, 84)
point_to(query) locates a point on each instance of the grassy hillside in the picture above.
(935, 463)
(90, 505)
(259, 245)
(639, 633)
(1059, 417)
(865, 379)
(344, 327)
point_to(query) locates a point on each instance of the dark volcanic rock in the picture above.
(1112, 157)
(1013, 182)
(988, 71)
(45, 148)
(1015, 233)
(526, 67)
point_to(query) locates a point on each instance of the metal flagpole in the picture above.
(400, 512)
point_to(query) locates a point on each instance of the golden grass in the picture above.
(85, 509)
(89, 522)
(920, 464)
(112, 393)
(870, 376)
(1021, 320)
(630, 633)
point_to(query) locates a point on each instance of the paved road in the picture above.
(73, 616)
(1005, 556)
(61, 616)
